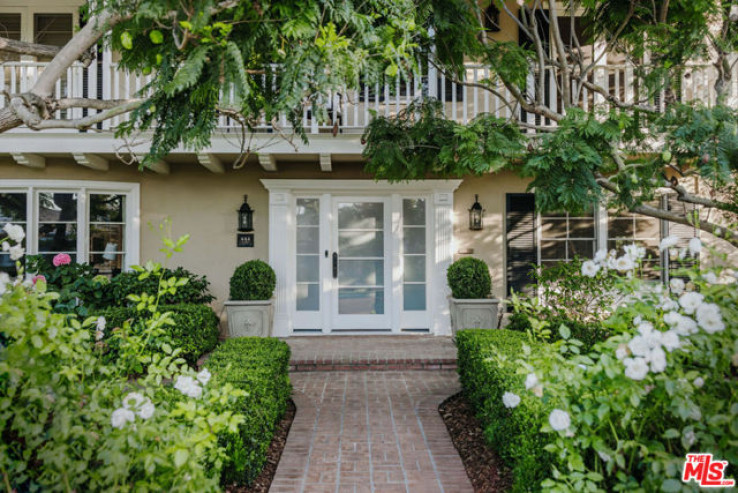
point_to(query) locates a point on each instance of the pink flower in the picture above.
(61, 259)
(38, 278)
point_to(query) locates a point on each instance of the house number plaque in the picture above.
(245, 240)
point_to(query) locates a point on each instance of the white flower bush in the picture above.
(510, 400)
(623, 415)
(72, 420)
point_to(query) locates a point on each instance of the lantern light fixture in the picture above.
(476, 213)
(245, 216)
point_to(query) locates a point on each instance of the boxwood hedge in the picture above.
(259, 366)
(195, 328)
(513, 433)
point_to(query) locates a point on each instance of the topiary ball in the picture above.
(253, 280)
(469, 278)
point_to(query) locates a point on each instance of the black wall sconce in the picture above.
(245, 216)
(475, 215)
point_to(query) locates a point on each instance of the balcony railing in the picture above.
(350, 111)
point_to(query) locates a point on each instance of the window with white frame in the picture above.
(564, 236)
(414, 255)
(92, 222)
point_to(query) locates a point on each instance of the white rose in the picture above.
(710, 277)
(531, 381)
(668, 242)
(657, 360)
(670, 340)
(146, 410)
(709, 318)
(122, 416)
(672, 318)
(699, 382)
(16, 252)
(686, 326)
(100, 323)
(639, 346)
(600, 256)
(133, 400)
(622, 352)
(510, 400)
(15, 232)
(4, 281)
(634, 252)
(188, 386)
(559, 420)
(624, 264)
(636, 368)
(690, 301)
(204, 376)
(695, 246)
(590, 269)
(676, 285)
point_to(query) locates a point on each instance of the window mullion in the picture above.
(31, 222)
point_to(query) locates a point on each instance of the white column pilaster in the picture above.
(281, 227)
(443, 203)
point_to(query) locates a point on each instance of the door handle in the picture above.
(335, 265)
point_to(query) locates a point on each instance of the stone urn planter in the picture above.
(474, 314)
(471, 305)
(249, 318)
(250, 308)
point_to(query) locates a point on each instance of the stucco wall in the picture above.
(204, 205)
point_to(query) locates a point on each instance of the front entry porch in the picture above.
(360, 256)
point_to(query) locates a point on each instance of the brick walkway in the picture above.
(377, 431)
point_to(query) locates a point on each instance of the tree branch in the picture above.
(39, 50)
(87, 122)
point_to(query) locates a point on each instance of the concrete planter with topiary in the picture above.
(249, 309)
(472, 306)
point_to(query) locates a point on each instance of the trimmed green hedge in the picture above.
(260, 367)
(513, 433)
(589, 334)
(195, 331)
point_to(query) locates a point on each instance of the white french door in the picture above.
(360, 256)
(361, 264)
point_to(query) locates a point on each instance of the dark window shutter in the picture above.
(521, 241)
(682, 231)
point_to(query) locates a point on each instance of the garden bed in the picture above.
(483, 466)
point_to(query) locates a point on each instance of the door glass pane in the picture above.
(361, 272)
(414, 268)
(414, 240)
(413, 212)
(308, 239)
(414, 297)
(308, 268)
(308, 297)
(308, 212)
(364, 301)
(361, 244)
(361, 215)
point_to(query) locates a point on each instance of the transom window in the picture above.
(95, 222)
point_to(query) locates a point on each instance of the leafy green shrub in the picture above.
(488, 369)
(195, 329)
(588, 333)
(259, 367)
(72, 420)
(253, 280)
(195, 291)
(469, 278)
(80, 289)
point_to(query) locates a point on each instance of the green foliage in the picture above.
(253, 280)
(80, 290)
(259, 367)
(588, 333)
(195, 291)
(199, 48)
(419, 142)
(663, 385)
(469, 278)
(488, 369)
(73, 420)
(194, 329)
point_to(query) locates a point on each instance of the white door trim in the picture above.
(282, 194)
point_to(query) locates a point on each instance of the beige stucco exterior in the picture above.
(204, 205)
